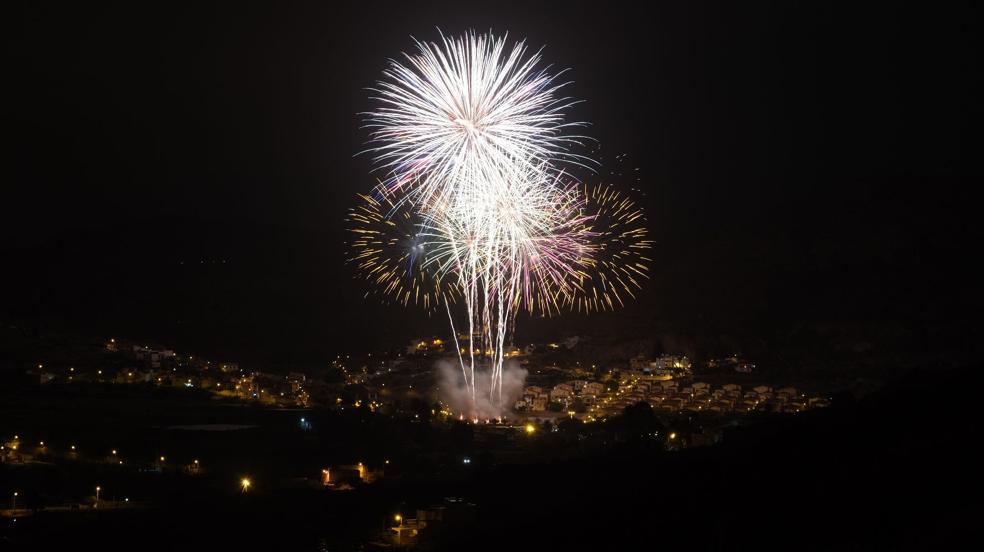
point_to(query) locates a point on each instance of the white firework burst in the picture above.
(460, 111)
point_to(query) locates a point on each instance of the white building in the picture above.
(592, 389)
(561, 394)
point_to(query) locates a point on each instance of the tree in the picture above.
(640, 424)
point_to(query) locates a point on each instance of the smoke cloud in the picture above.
(454, 392)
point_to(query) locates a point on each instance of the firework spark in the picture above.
(619, 259)
(390, 253)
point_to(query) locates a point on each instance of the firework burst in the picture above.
(619, 260)
(461, 111)
(476, 209)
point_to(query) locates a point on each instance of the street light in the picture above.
(98, 488)
(399, 531)
(245, 483)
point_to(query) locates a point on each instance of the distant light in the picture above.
(466, 460)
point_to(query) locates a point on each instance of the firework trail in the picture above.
(514, 243)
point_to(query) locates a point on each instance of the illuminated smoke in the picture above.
(457, 395)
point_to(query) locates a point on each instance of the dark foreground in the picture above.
(897, 470)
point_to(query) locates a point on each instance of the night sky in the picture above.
(182, 175)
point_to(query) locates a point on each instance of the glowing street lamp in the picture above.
(245, 484)
(530, 429)
(399, 529)
(98, 488)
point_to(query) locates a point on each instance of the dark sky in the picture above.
(182, 174)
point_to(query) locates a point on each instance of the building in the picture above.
(562, 393)
(593, 388)
(577, 385)
(296, 381)
(152, 357)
